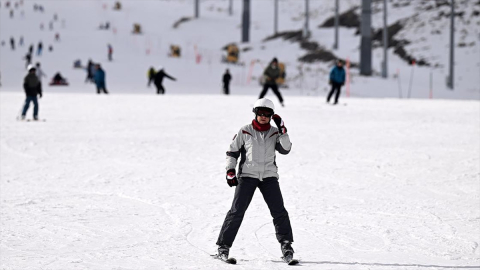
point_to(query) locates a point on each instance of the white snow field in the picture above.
(133, 180)
(137, 182)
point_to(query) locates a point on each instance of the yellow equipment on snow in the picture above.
(232, 53)
(137, 28)
(174, 51)
(117, 6)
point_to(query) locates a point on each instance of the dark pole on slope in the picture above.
(385, 41)
(197, 4)
(275, 23)
(246, 21)
(366, 39)
(335, 45)
(306, 33)
(450, 83)
(230, 8)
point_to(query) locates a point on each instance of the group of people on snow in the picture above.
(96, 74)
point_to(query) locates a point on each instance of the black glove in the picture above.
(232, 178)
(40, 95)
(279, 122)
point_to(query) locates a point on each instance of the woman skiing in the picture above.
(256, 143)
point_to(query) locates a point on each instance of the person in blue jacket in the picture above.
(99, 78)
(337, 80)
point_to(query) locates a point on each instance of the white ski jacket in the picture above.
(257, 152)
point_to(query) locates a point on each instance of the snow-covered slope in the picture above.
(136, 181)
(132, 182)
(425, 27)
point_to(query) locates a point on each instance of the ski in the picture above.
(290, 260)
(33, 120)
(225, 259)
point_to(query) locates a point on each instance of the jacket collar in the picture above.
(259, 127)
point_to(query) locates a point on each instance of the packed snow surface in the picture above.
(133, 180)
(138, 182)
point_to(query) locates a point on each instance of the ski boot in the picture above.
(223, 251)
(287, 251)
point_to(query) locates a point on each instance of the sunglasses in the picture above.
(264, 113)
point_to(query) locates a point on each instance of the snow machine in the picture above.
(137, 28)
(232, 54)
(174, 51)
(117, 6)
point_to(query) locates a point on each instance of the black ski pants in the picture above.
(274, 89)
(160, 89)
(101, 89)
(226, 88)
(336, 89)
(243, 196)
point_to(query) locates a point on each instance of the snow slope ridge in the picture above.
(202, 43)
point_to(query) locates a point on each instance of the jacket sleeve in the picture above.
(234, 151)
(343, 76)
(170, 77)
(283, 145)
(331, 74)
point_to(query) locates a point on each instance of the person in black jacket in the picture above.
(28, 60)
(226, 82)
(32, 87)
(271, 74)
(89, 71)
(12, 43)
(159, 79)
(39, 48)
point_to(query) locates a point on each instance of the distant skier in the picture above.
(99, 78)
(226, 82)
(39, 72)
(12, 43)
(50, 25)
(159, 79)
(255, 144)
(151, 76)
(39, 48)
(28, 59)
(20, 42)
(337, 79)
(30, 49)
(33, 88)
(90, 70)
(271, 74)
(110, 52)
